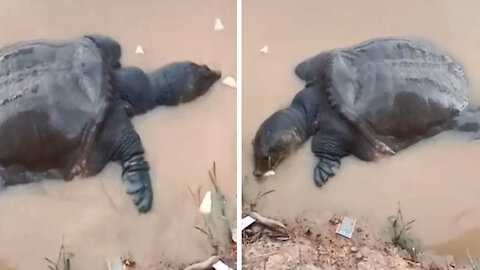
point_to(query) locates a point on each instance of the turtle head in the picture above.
(181, 82)
(276, 138)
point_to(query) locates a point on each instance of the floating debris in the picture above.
(139, 50)
(229, 81)
(206, 205)
(346, 227)
(218, 25)
(264, 49)
(269, 173)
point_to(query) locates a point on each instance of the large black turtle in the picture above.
(65, 110)
(370, 100)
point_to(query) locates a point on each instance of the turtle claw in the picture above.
(143, 200)
(323, 171)
(383, 149)
(319, 178)
(139, 188)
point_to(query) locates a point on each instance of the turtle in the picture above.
(372, 100)
(66, 109)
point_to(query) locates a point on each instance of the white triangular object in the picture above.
(206, 205)
(218, 25)
(221, 266)
(233, 232)
(229, 81)
(246, 221)
(264, 49)
(139, 50)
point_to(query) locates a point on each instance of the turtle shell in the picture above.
(393, 90)
(53, 96)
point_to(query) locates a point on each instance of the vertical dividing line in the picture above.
(239, 133)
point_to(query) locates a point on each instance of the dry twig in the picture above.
(204, 264)
(271, 223)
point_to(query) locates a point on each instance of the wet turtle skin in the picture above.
(371, 100)
(66, 108)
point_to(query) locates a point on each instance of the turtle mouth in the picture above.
(212, 74)
(268, 170)
(216, 74)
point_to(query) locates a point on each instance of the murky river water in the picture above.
(181, 142)
(436, 181)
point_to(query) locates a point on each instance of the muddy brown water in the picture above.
(181, 142)
(436, 181)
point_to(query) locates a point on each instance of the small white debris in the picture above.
(246, 221)
(269, 173)
(221, 266)
(117, 264)
(229, 81)
(346, 227)
(233, 232)
(218, 25)
(264, 49)
(206, 205)
(139, 50)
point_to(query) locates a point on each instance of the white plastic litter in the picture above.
(218, 25)
(246, 221)
(117, 264)
(206, 205)
(139, 50)
(269, 173)
(229, 81)
(221, 266)
(234, 234)
(264, 49)
(346, 227)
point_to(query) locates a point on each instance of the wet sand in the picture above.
(436, 181)
(181, 142)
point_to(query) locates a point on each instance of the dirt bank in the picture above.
(309, 245)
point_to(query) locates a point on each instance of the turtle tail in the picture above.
(301, 70)
(468, 121)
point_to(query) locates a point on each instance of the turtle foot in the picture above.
(383, 149)
(139, 188)
(325, 169)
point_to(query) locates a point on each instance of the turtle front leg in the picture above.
(330, 148)
(137, 180)
(118, 141)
